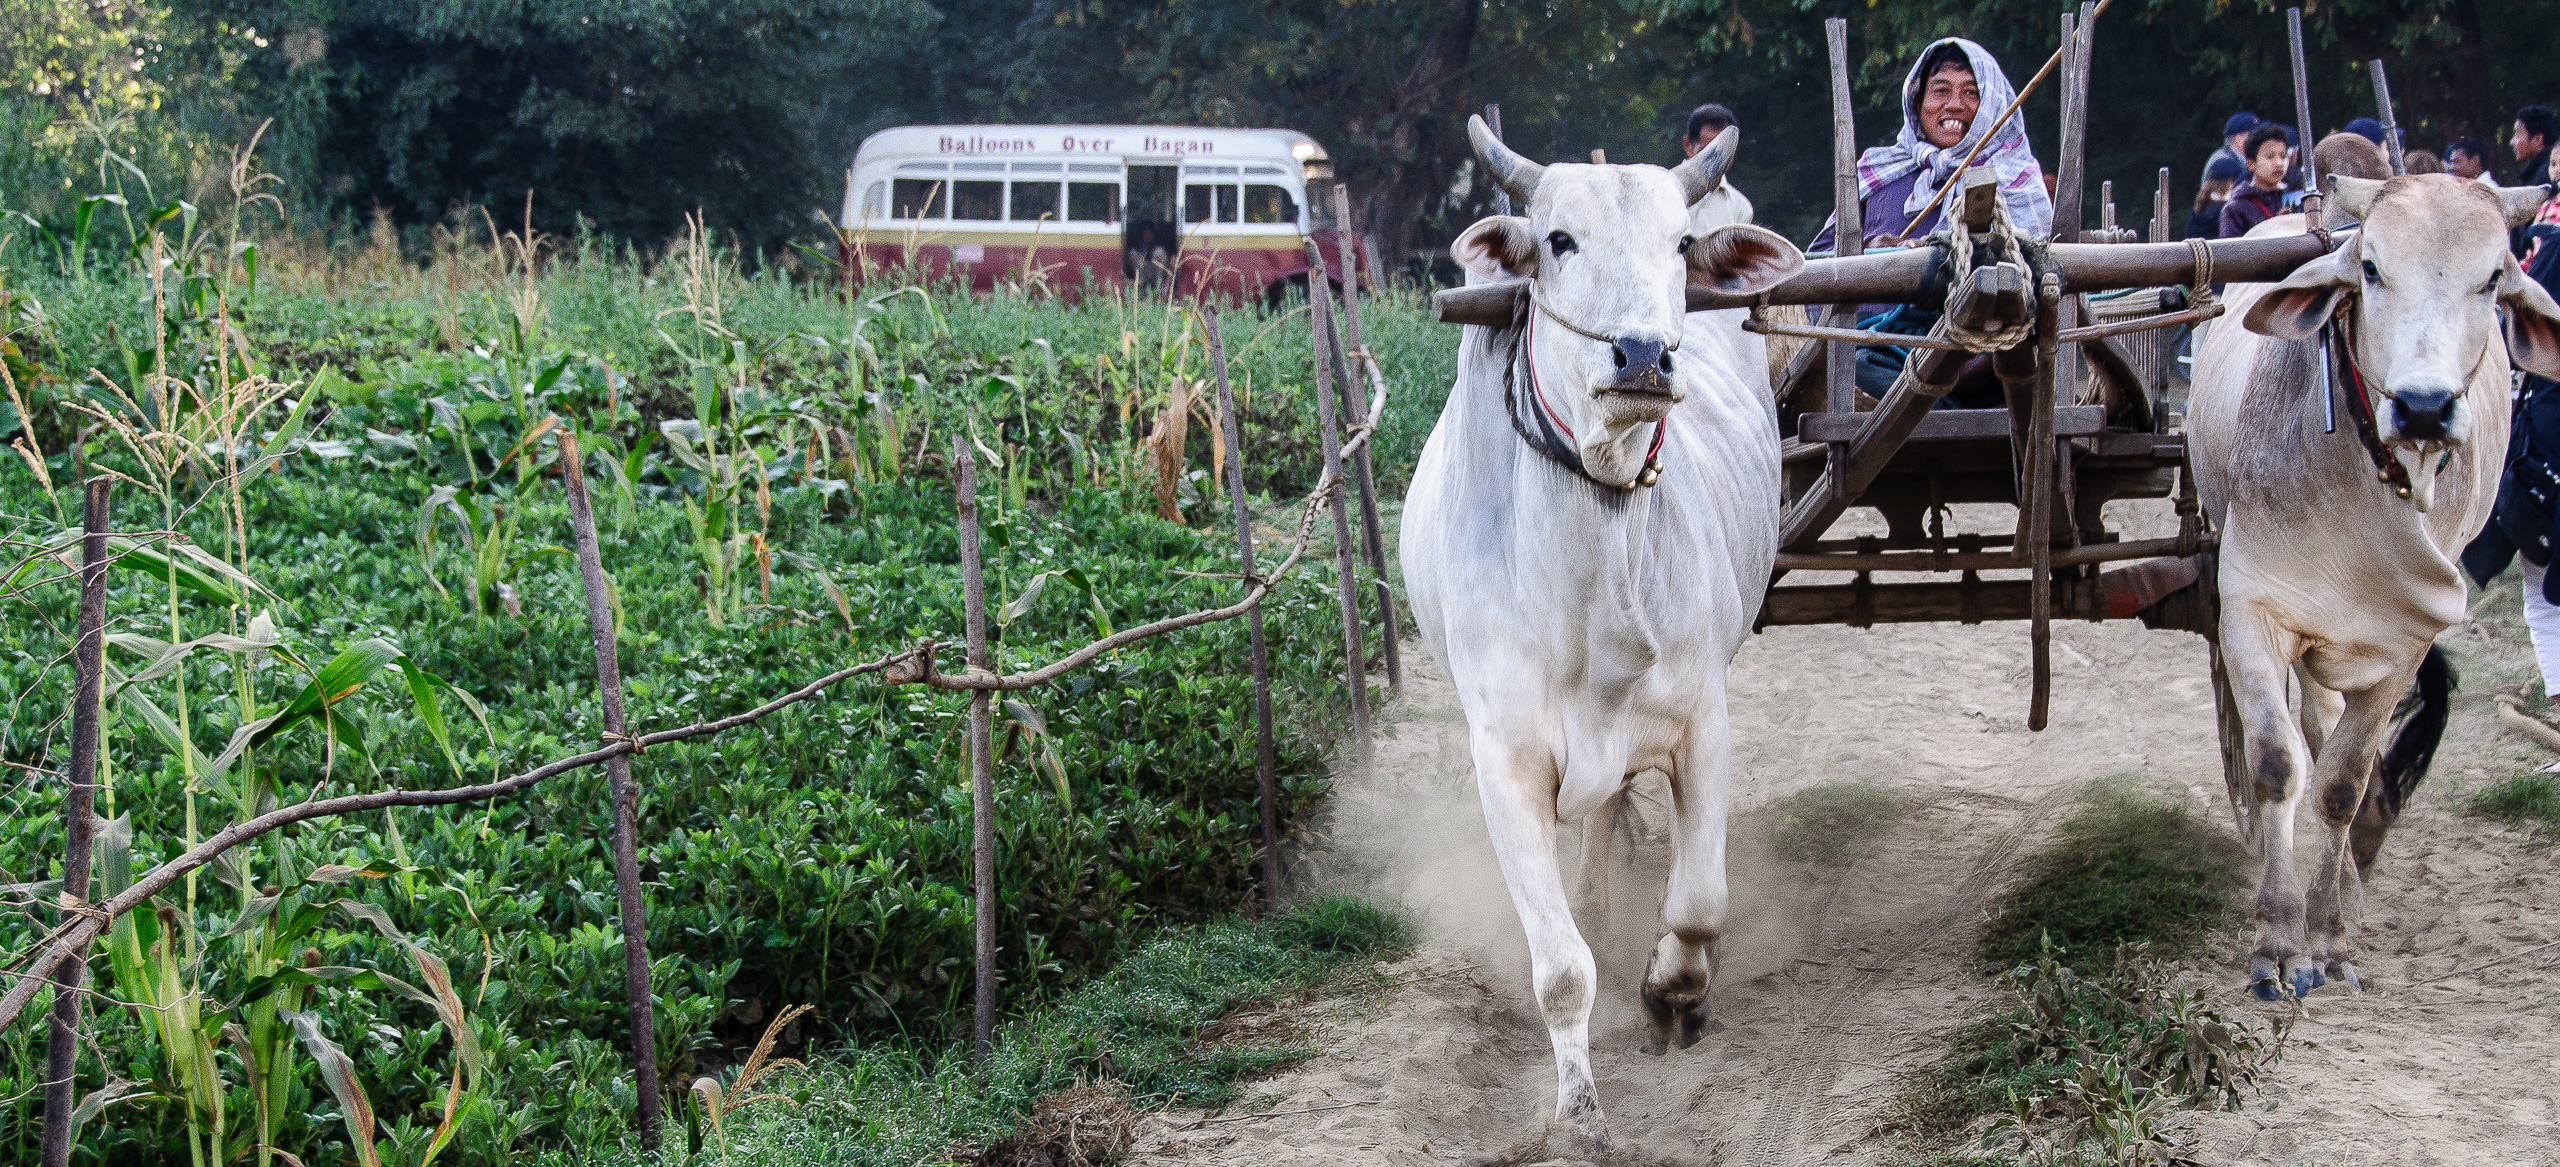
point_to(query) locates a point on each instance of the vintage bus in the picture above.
(1218, 211)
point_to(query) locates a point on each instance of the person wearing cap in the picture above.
(2365, 128)
(1724, 206)
(2235, 136)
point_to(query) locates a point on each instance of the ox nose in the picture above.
(1639, 357)
(2422, 414)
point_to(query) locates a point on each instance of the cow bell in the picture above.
(1652, 472)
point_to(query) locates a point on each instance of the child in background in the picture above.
(2205, 221)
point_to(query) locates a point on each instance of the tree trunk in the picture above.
(1417, 134)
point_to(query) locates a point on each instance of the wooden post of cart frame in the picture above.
(2390, 124)
(1848, 233)
(2075, 104)
(2311, 198)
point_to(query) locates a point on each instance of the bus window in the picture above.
(980, 201)
(871, 201)
(1201, 203)
(1093, 202)
(1269, 204)
(912, 198)
(1032, 201)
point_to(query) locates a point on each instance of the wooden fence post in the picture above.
(624, 792)
(1265, 754)
(1355, 411)
(982, 779)
(1355, 664)
(88, 665)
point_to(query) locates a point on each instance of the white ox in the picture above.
(1586, 591)
(2327, 570)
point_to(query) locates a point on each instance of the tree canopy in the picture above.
(631, 114)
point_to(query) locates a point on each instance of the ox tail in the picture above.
(2418, 728)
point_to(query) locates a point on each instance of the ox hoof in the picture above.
(1677, 1007)
(1580, 1123)
(2305, 977)
(2344, 972)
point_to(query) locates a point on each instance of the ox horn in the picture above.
(1705, 169)
(1516, 174)
(2354, 195)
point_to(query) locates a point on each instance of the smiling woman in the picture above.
(1949, 88)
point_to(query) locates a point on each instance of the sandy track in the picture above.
(1838, 986)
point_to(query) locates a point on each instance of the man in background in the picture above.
(2235, 137)
(2468, 158)
(2536, 128)
(1724, 206)
(2531, 140)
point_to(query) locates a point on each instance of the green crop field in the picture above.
(771, 460)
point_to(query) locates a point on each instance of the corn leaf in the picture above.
(341, 677)
(340, 1074)
(116, 1090)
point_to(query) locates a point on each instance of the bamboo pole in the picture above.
(79, 819)
(982, 780)
(1848, 230)
(1354, 662)
(1493, 122)
(1266, 764)
(623, 790)
(1347, 386)
(2390, 124)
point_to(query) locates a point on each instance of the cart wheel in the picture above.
(2235, 754)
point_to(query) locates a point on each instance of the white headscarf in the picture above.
(2008, 155)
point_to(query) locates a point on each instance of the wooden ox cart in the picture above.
(2072, 328)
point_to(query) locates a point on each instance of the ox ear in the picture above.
(1742, 259)
(1498, 246)
(2533, 322)
(2297, 308)
(2355, 195)
(2521, 203)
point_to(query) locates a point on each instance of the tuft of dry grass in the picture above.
(1087, 1126)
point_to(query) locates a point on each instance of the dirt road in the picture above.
(1838, 986)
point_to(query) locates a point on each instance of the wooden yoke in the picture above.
(1902, 277)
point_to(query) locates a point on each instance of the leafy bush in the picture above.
(2080, 1068)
